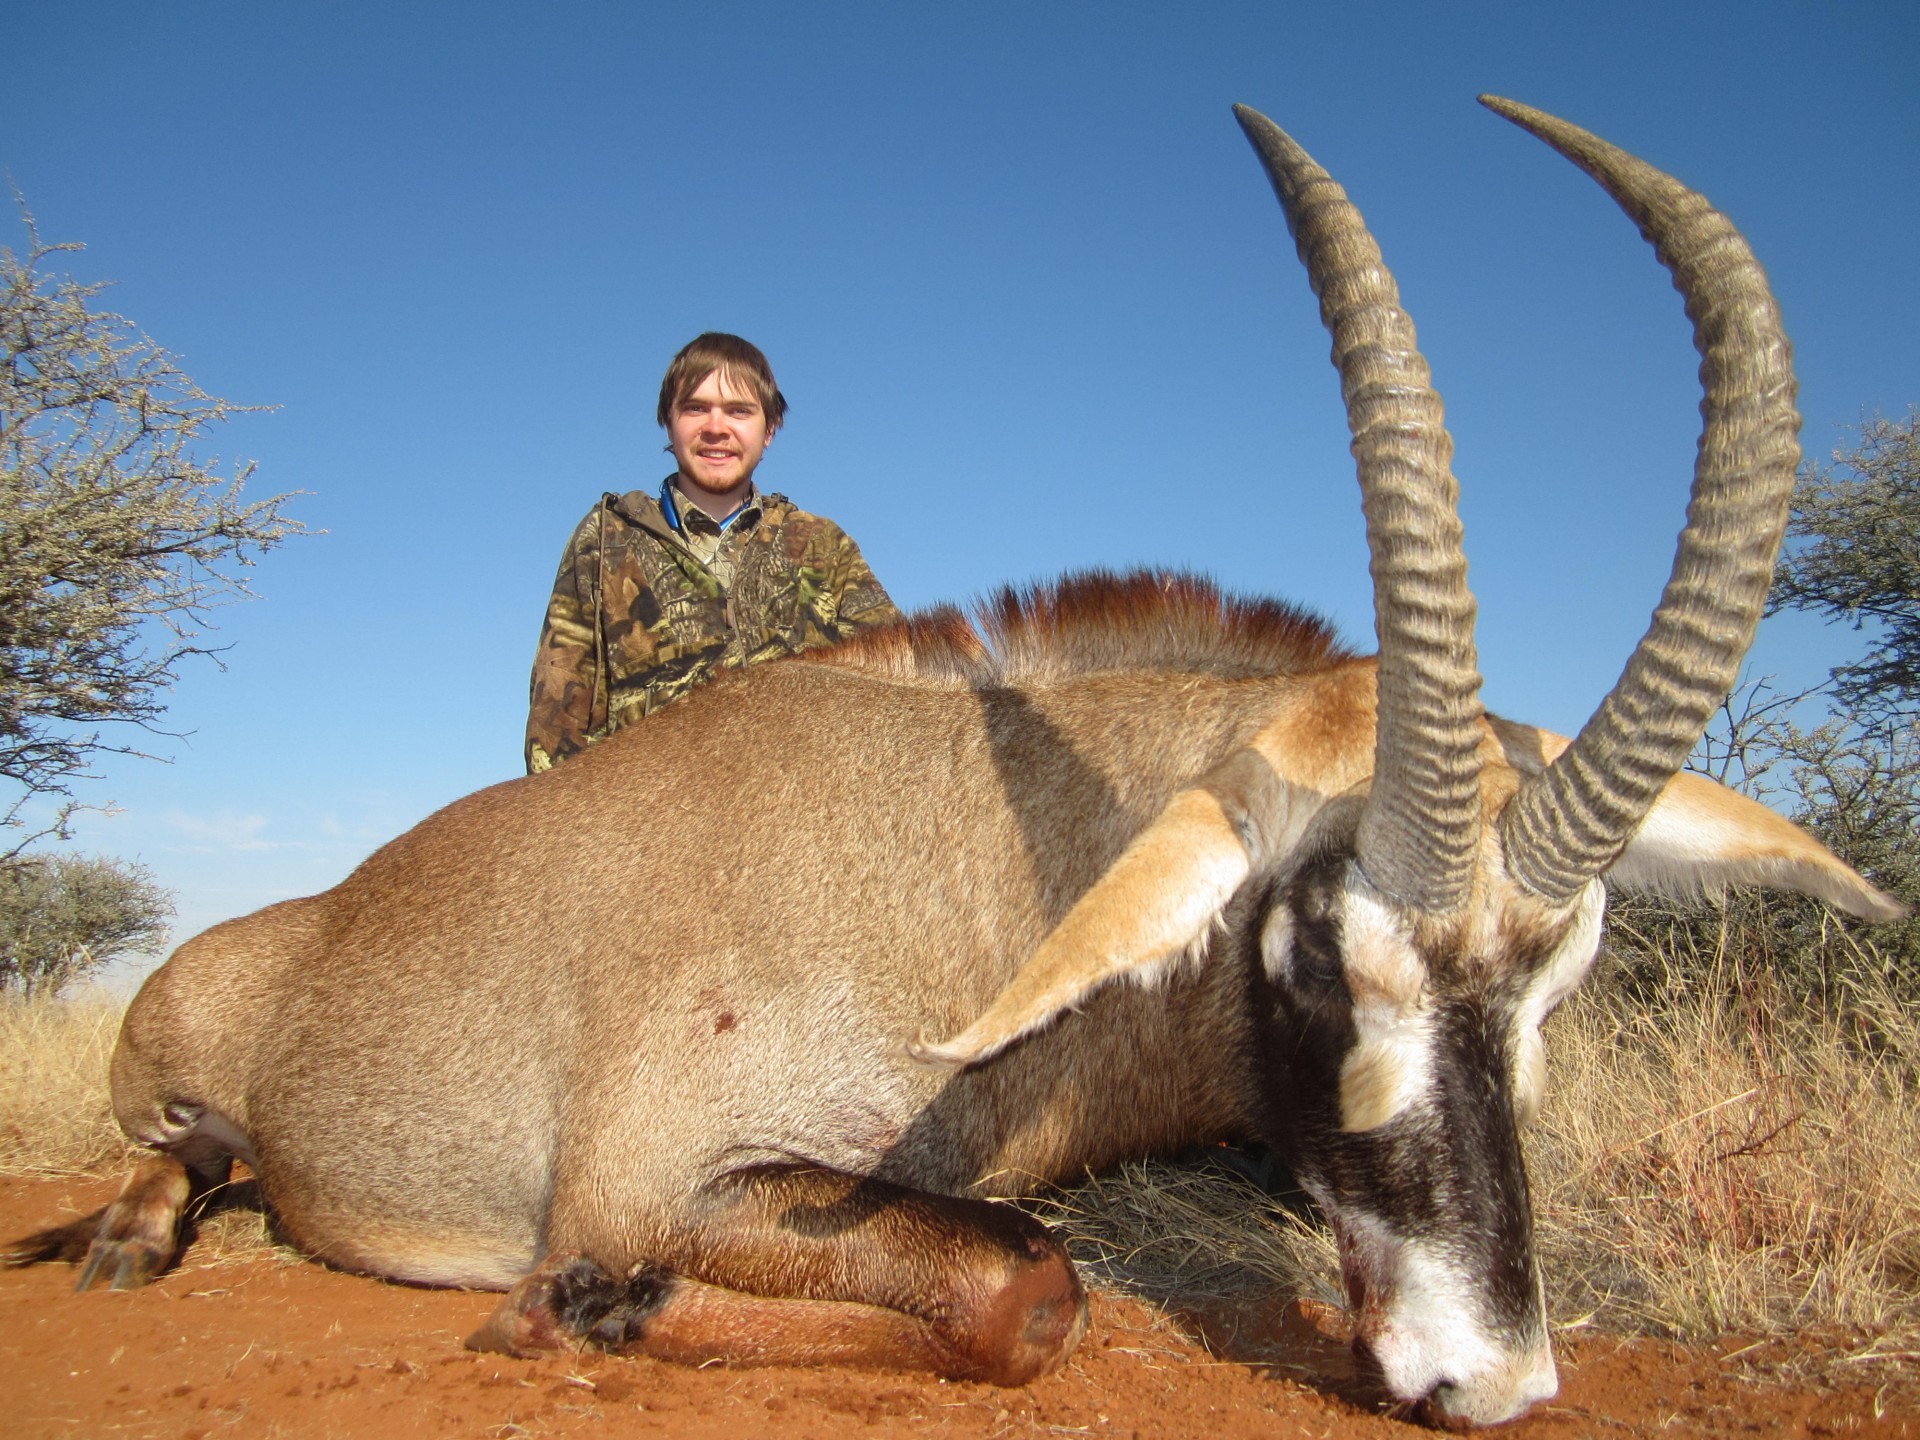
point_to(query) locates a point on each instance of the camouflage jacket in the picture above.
(637, 619)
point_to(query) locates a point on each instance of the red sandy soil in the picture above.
(257, 1347)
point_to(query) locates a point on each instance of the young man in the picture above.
(658, 591)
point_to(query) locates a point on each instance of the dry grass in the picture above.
(1732, 1162)
(1200, 1229)
(234, 1227)
(55, 1118)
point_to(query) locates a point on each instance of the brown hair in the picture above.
(737, 360)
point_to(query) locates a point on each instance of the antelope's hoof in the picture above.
(126, 1263)
(569, 1300)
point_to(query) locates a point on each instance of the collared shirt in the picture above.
(705, 536)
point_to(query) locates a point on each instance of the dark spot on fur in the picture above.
(724, 1022)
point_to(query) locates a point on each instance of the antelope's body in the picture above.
(542, 983)
(644, 1040)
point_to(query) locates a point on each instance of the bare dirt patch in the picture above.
(258, 1347)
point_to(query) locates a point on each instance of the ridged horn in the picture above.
(1420, 830)
(1567, 824)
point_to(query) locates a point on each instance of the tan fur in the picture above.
(1159, 898)
(1155, 901)
(1380, 1077)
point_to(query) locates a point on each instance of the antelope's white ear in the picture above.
(1702, 836)
(1154, 904)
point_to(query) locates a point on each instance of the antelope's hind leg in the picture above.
(137, 1236)
(792, 1266)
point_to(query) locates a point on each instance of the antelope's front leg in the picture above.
(798, 1266)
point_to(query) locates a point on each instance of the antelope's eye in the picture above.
(1307, 949)
(1300, 945)
(1316, 955)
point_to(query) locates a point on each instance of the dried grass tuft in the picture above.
(1162, 1230)
(55, 1115)
(233, 1227)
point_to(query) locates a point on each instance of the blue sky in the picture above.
(1018, 272)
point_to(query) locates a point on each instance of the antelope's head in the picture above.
(1425, 888)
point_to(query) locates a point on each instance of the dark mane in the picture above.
(1095, 621)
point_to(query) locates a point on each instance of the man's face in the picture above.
(719, 433)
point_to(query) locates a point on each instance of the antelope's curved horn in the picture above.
(1422, 822)
(1568, 823)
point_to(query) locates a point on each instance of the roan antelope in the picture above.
(650, 1068)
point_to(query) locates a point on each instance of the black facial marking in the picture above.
(1489, 1214)
(1307, 1015)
